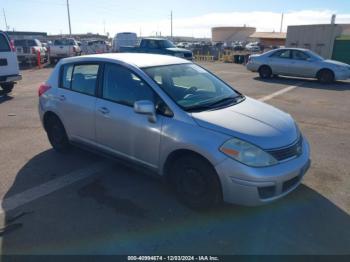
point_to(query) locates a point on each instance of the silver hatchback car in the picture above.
(298, 62)
(167, 114)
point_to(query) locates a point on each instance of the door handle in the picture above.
(62, 97)
(104, 110)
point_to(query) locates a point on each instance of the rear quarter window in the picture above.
(4, 44)
(81, 78)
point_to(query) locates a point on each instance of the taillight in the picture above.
(12, 45)
(43, 88)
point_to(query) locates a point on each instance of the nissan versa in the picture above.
(210, 142)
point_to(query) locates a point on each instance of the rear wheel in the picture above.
(195, 182)
(7, 87)
(265, 72)
(325, 76)
(57, 134)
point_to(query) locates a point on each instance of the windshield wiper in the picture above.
(219, 103)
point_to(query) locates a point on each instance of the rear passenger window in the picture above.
(4, 45)
(84, 79)
(80, 78)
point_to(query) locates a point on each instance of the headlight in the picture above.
(179, 55)
(247, 153)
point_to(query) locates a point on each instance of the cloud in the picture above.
(200, 26)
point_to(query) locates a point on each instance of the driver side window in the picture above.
(122, 86)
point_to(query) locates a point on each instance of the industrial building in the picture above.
(275, 39)
(331, 41)
(229, 35)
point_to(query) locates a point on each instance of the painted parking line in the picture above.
(280, 92)
(34, 193)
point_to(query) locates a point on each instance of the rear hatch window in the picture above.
(4, 44)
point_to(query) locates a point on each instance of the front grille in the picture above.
(284, 153)
(290, 183)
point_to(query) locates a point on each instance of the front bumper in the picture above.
(342, 75)
(10, 78)
(251, 186)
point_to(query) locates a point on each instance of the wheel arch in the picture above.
(176, 154)
(325, 69)
(262, 65)
(47, 115)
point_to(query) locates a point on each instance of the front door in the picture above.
(118, 128)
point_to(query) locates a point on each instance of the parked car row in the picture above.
(158, 46)
(64, 47)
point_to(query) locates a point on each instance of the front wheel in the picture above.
(57, 134)
(7, 87)
(325, 76)
(195, 182)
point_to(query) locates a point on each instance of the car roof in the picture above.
(292, 48)
(137, 59)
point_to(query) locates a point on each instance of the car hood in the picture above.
(178, 50)
(333, 62)
(252, 121)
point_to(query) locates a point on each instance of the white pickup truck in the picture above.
(64, 47)
(9, 71)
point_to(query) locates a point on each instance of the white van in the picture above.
(9, 70)
(124, 39)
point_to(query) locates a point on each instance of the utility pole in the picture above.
(70, 28)
(7, 28)
(281, 22)
(171, 24)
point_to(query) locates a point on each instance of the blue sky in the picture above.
(191, 17)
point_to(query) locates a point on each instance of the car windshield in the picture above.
(167, 44)
(192, 87)
(64, 42)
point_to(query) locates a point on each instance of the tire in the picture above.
(265, 72)
(195, 182)
(57, 134)
(325, 76)
(52, 61)
(7, 87)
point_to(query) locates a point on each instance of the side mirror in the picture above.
(146, 107)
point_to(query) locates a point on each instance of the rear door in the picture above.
(76, 99)
(281, 61)
(8, 58)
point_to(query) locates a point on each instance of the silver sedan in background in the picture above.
(298, 62)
